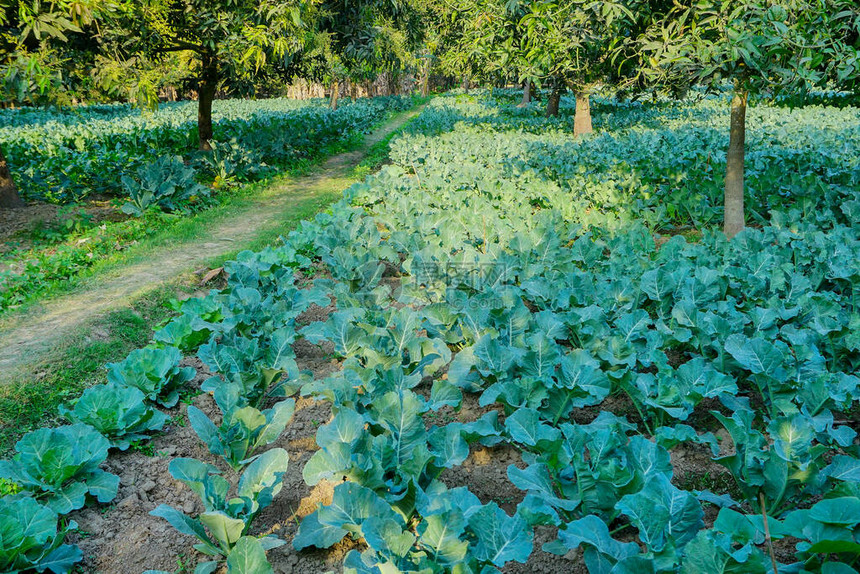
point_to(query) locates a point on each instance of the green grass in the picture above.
(69, 266)
(714, 482)
(77, 363)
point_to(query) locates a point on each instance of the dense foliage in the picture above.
(141, 160)
(659, 164)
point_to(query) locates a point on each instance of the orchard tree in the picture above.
(228, 39)
(575, 44)
(451, 46)
(143, 81)
(763, 48)
(31, 70)
(494, 30)
(367, 37)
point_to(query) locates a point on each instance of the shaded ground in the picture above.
(26, 337)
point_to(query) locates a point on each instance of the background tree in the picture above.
(31, 67)
(144, 82)
(357, 42)
(451, 46)
(495, 32)
(575, 44)
(228, 39)
(763, 48)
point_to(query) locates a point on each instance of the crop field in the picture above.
(68, 154)
(510, 350)
(110, 176)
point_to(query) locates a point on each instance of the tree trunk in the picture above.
(425, 79)
(733, 221)
(527, 94)
(553, 102)
(335, 93)
(582, 117)
(9, 197)
(208, 86)
(466, 83)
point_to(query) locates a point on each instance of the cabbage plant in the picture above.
(166, 182)
(156, 372)
(247, 557)
(119, 412)
(60, 467)
(226, 520)
(31, 538)
(243, 428)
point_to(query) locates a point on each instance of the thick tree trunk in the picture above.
(466, 83)
(335, 94)
(582, 117)
(208, 86)
(9, 197)
(733, 221)
(527, 94)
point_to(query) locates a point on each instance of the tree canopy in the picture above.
(229, 39)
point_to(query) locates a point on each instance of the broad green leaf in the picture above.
(387, 537)
(792, 437)
(351, 505)
(248, 557)
(185, 525)
(440, 535)
(844, 468)
(225, 529)
(525, 427)
(448, 446)
(500, 538)
(593, 532)
(755, 355)
(263, 475)
(312, 533)
(662, 513)
(840, 511)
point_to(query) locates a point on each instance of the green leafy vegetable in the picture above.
(117, 412)
(60, 467)
(243, 429)
(155, 372)
(226, 520)
(31, 539)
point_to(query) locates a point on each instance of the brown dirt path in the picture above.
(26, 338)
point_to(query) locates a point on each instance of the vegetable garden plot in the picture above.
(472, 317)
(66, 155)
